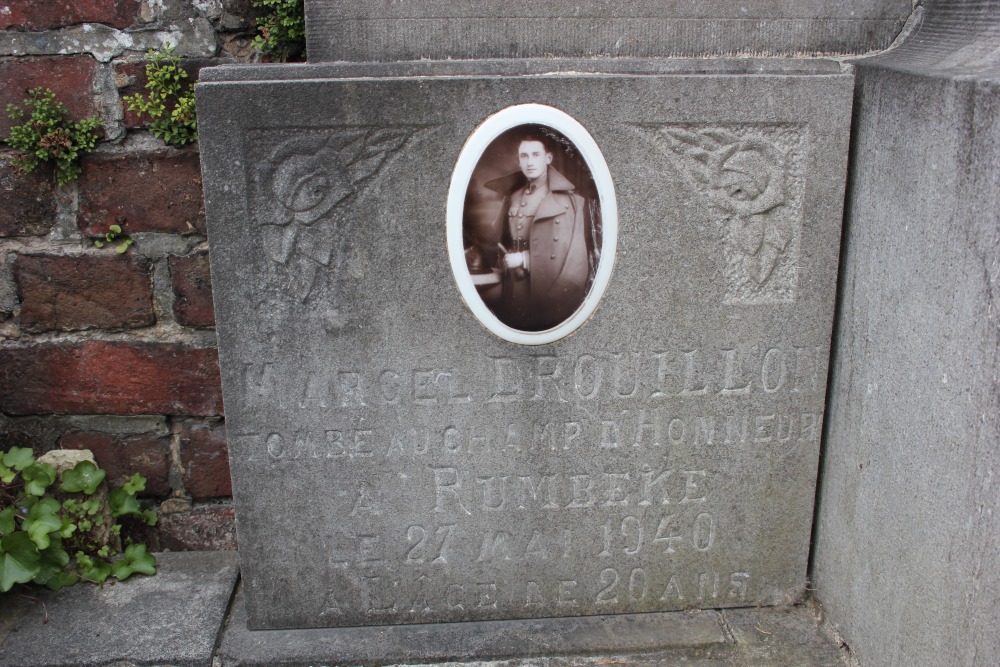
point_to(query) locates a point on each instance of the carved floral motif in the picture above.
(750, 177)
(304, 192)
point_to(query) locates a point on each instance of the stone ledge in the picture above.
(764, 637)
(176, 617)
(172, 618)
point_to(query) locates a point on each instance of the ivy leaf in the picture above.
(94, 570)
(85, 477)
(42, 520)
(6, 474)
(149, 516)
(19, 561)
(135, 559)
(135, 484)
(7, 521)
(37, 478)
(18, 458)
(116, 229)
(98, 243)
(121, 503)
(51, 561)
(67, 528)
(120, 249)
(61, 580)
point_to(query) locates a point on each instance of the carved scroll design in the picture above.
(751, 177)
(304, 192)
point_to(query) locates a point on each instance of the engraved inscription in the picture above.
(751, 176)
(620, 501)
(657, 377)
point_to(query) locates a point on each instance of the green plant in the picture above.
(113, 234)
(281, 33)
(47, 136)
(45, 517)
(169, 101)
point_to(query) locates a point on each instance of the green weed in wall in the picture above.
(48, 136)
(281, 33)
(169, 99)
(56, 530)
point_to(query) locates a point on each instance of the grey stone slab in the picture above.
(172, 618)
(674, 634)
(509, 68)
(395, 462)
(781, 637)
(907, 553)
(339, 30)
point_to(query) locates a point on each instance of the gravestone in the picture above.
(399, 458)
(444, 29)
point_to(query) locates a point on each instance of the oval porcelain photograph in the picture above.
(532, 224)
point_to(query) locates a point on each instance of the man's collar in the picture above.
(511, 182)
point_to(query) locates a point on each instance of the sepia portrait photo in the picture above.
(532, 227)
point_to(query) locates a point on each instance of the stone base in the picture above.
(176, 617)
(768, 637)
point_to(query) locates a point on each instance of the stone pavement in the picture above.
(191, 614)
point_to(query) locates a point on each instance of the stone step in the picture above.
(192, 614)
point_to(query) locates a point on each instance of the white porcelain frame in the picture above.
(472, 152)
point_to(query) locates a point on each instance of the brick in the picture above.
(29, 204)
(204, 528)
(74, 293)
(99, 377)
(70, 77)
(144, 193)
(35, 15)
(205, 459)
(121, 456)
(130, 78)
(192, 282)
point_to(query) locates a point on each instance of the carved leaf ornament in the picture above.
(304, 190)
(745, 177)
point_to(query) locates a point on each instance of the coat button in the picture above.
(555, 238)
(552, 256)
(565, 205)
(557, 221)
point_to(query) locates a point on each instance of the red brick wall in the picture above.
(100, 351)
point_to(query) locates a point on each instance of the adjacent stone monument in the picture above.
(395, 461)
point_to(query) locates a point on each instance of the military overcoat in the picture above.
(559, 262)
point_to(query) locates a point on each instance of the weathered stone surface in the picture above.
(29, 203)
(192, 284)
(72, 80)
(69, 293)
(662, 457)
(769, 637)
(205, 460)
(121, 456)
(684, 634)
(170, 187)
(65, 459)
(191, 37)
(172, 618)
(907, 557)
(383, 31)
(110, 378)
